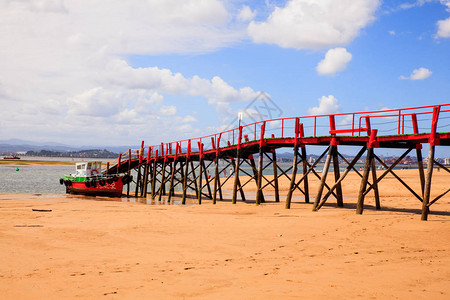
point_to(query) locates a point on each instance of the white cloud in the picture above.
(391, 32)
(246, 14)
(314, 24)
(168, 110)
(71, 55)
(443, 28)
(327, 105)
(444, 25)
(335, 60)
(189, 119)
(418, 74)
(417, 3)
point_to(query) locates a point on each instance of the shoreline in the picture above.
(33, 162)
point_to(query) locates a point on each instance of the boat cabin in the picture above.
(87, 169)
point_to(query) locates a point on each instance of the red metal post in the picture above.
(189, 150)
(353, 124)
(296, 131)
(368, 128)
(239, 137)
(218, 144)
(129, 157)
(301, 131)
(403, 124)
(433, 135)
(414, 123)
(118, 161)
(149, 154)
(332, 123)
(261, 138)
(315, 122)
(142, 149)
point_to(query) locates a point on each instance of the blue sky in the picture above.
(116, 72)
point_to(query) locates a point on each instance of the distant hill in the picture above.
(78, 154)
(17, 145)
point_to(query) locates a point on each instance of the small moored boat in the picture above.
(90, 180)
(14, 156)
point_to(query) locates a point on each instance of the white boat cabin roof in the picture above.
(88, 168)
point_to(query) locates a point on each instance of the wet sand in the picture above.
(89, 249)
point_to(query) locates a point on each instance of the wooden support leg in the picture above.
(294, 173)
(323, 178)
(172, 177)
(128, 186)
(259, 193)
(138, 182)
(337, 175)
(375, 184)
(185, 177)
(205, 172)
(163, 181)
(145, 180)
(194, 179)
(305, 170)
(420, 167)
(200, 186)
(216, 179)
(259, 177)
(427, 191)
(155, 166)
(347, 170)
(362, 187)
(275, 176)
(236, 177)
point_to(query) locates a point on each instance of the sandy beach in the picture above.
(65, 247)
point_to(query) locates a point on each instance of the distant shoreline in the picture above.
(33, 162)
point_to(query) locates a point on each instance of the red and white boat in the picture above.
(89, 180)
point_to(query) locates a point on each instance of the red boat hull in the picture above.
(109, 189)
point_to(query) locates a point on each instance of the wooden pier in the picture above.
(198, 166)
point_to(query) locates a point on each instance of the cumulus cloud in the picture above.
(443, 28)
(418, 74)
(71, 55)
(169, 110)
(307, 24)
(246, 14)
(335, 60)
(327, 105)
(444, 25)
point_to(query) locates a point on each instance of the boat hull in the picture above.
(113, 189)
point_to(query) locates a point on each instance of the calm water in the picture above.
(35, 179)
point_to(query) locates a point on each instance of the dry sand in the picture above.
(90, 249)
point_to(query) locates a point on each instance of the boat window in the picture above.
(78, 167)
